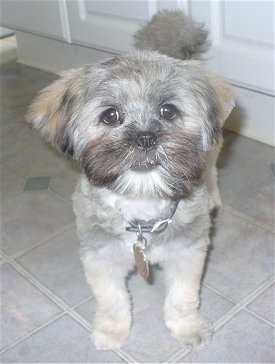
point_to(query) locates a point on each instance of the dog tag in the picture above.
(141, 261)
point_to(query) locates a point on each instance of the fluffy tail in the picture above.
(174, 34)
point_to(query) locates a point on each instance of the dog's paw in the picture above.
(193, 328)
(108, 340)
(109, 335)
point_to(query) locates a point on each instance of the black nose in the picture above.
(146, 140)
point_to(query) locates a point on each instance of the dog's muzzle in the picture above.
(146, 157)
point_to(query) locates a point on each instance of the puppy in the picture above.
(145, 129)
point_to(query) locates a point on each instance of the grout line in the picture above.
(241, 305)
(248, 218)
(18, 341)
(14, 170)
(217, 292)
(251, 312)
(85, 300)
(58, 301)
(125, 356)
(35, 245)
(181, 353)
(59, 196)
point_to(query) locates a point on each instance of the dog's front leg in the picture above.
(112, 319)
(184, 268)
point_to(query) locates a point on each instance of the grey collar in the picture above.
(154, 225)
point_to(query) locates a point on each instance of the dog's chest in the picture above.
(142, 209)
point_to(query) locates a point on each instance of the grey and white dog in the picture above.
(146, 131)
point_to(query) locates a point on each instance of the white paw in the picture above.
(109, 335)
(194, 328)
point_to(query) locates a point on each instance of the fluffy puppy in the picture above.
(143, 128)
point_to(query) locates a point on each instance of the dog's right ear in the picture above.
(55, 110)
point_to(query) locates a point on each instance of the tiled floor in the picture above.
(47, 305)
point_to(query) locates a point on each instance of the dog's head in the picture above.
(138, 124)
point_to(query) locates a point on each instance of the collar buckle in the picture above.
(152, 226)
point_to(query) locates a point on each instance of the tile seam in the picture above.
(219, 293)
(48, 293)
(248, 218)
(41, 242)
(242, 304)
(59, 196)
(31, 333)
(259, 316)
(126, 356)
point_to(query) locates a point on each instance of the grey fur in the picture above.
(174, 34)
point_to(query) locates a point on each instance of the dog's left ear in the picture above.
(224, 96)
(221, 101)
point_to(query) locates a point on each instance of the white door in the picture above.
(243, 40)
(42, 17)
(109, 25)
(242, 34)
(106, 25)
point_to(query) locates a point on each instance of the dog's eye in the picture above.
(111, 116)
(169, 112)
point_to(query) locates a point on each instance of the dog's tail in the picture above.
(173, 33)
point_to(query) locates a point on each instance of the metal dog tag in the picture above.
(141, 261)
(140, 257)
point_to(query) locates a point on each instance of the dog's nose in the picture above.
(146, 140)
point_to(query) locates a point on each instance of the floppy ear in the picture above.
(214, 99)
(224, 96)
(55, 110)
(219, 100)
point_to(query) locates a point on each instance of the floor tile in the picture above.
(37, 183)
(31, 156)
(24, 307)
(11, 183)
(261, 205)
(22, 81)
(57, 265)
(32, 216)
(251, 148)
(240, 176)
(63, 341)
(242, 257)
(63, 182)
(244, 339)
(264, 304)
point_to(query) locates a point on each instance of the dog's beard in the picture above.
(171, 169)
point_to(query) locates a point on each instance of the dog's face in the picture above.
(138, 125)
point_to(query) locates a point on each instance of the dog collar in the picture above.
(148, 226)
(154, 225)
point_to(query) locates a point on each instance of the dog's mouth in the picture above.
(145, 162)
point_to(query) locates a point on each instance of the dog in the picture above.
(145, 129)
